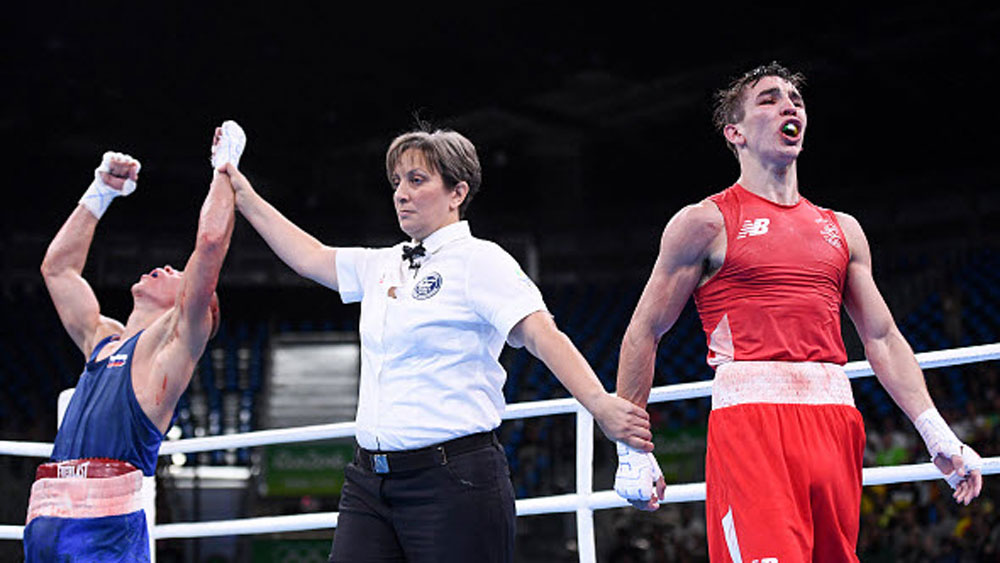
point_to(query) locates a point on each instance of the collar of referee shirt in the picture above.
(441, 237)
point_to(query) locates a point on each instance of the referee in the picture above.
(429, 481)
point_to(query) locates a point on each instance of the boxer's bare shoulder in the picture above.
(695, 235)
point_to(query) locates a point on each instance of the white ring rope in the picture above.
(927, 360)
(583, 502)
(688, 492)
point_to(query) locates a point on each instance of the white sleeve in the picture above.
(499, 291)
(351, 267)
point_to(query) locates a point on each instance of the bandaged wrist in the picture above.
(637, 474)
(972, 462)
(98, 196)
(937, 435)
(625, 449)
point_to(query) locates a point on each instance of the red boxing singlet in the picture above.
(778, 294)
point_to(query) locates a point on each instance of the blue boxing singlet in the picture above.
(104, 418)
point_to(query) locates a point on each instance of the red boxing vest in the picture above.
(778, 294)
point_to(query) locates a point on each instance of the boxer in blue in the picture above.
(86, 504)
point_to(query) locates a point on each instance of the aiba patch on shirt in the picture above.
(428, 286)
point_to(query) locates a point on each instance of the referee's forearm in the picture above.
(293, 245)
(561, 356)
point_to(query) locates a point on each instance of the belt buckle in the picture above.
(380, 464)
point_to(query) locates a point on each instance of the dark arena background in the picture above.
(593, 126)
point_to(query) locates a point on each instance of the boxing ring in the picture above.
(583, 502)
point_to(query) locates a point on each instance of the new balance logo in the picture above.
(753, 228)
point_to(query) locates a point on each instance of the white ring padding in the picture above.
(244, 526)
(328, 520)
(927, 360)
(688, 492)
(259, 438)
(26, 449)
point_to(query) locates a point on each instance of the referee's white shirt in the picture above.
(431, 337)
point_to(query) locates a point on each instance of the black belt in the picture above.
(384, 463)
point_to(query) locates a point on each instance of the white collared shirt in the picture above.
(431, 337)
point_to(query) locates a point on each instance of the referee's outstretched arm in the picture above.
(620, 420)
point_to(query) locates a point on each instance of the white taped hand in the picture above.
(942, 441)
(99, 194)
(971, 462)
(637, 474)
(229, 147)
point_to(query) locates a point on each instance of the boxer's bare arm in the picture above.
(166, 356)
(62, 269)
(887, 350)
(891, 357)
(690, 240)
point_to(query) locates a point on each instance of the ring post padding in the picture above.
(585, 485)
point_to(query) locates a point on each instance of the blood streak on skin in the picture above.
(163, 392)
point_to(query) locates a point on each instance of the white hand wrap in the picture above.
(230, 146)
(972, 461)
(98, 196)
(637, 473)
(941, 440)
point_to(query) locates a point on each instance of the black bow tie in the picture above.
(412, 253)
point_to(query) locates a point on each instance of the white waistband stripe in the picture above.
(797, 383)
(86, 498)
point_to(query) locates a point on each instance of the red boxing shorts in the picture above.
(783, 468)
(86, 510)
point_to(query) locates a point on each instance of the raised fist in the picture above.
(119, 172)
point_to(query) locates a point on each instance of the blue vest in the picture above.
(104, 418)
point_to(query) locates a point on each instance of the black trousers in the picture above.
(459, 511)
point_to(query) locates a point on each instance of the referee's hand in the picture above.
(624, 421)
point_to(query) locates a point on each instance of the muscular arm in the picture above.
(685, 246)
(888, 352)
(619, 419)
(891, 357)
(62, 267)
(178, 339)
(201, 273)
(296, 248)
